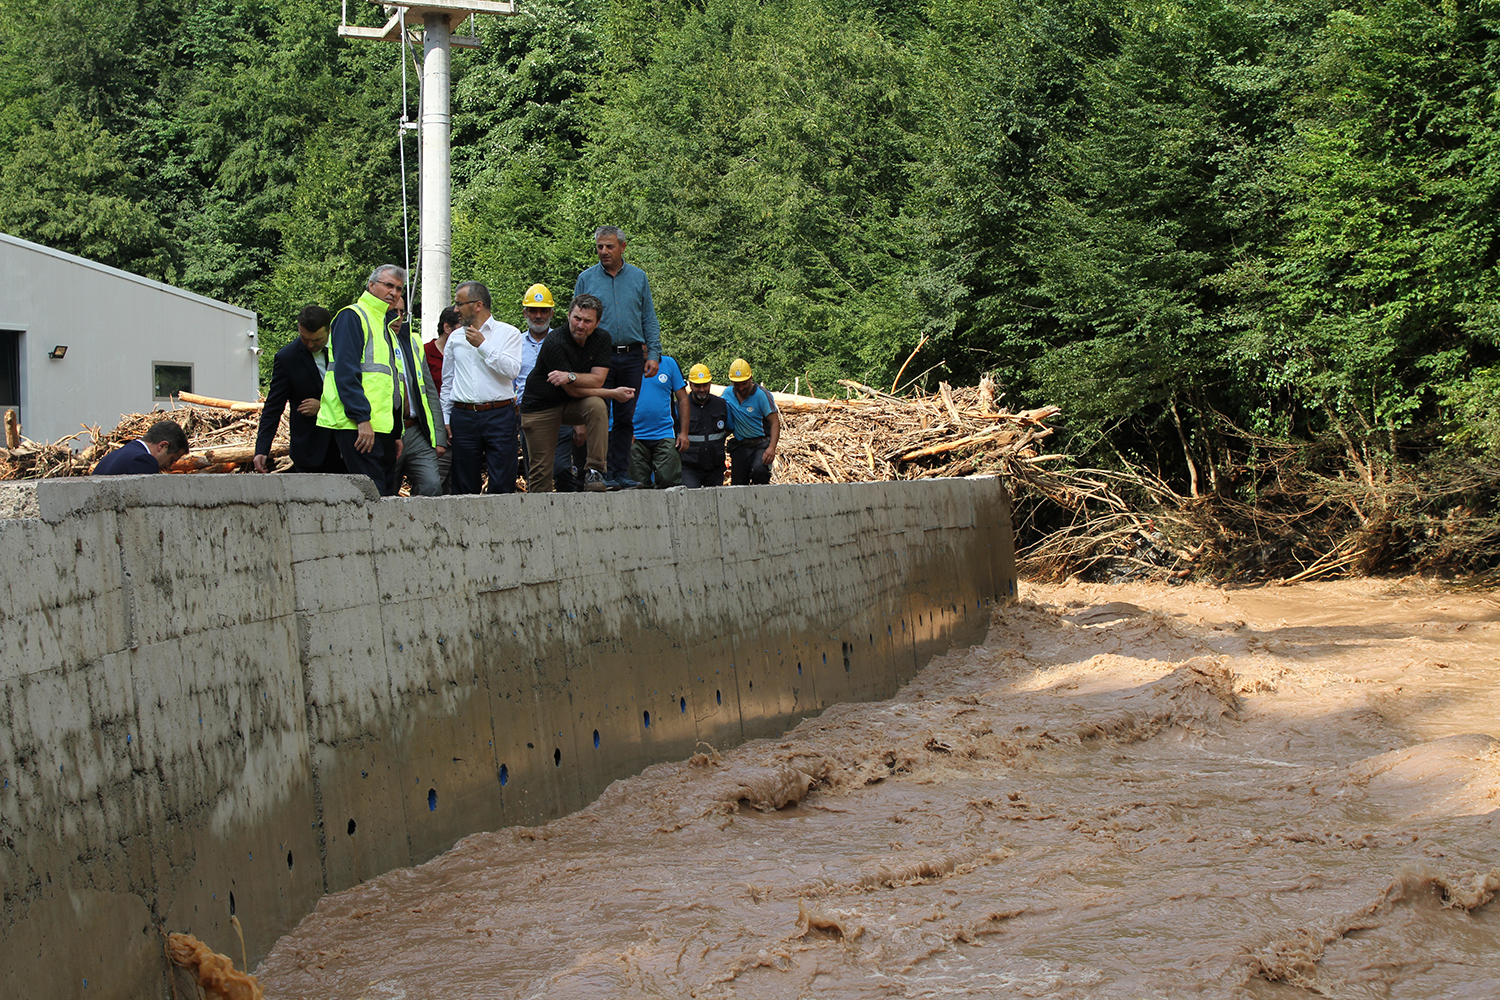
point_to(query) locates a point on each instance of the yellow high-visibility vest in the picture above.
(376, 372)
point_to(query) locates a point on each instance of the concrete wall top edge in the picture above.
(54, 500)
(58, 499)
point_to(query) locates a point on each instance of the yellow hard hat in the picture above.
(739, 370)
(538, 297)
(699, 374)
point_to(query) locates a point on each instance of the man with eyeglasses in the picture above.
(479, 395)
(362, 399)
(424, 439)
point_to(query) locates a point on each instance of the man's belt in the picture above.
(627, 348)
(413, 421)
(751, 441)
(480, 407)
(703, 438)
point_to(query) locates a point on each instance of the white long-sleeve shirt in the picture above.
(483, 374)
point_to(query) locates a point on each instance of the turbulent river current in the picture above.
(1124, 792)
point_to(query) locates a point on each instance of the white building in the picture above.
(82, 343)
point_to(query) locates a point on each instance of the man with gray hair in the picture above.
(630, 320)
(362, 399)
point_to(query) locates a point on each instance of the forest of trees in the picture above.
(1192, 224)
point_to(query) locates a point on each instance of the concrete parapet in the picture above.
(228, 695)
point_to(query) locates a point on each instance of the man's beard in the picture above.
(538, 327)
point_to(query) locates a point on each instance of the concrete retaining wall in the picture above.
(230, 695)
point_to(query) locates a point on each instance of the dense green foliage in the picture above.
(1166, 216)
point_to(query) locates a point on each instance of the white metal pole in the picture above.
(437, 219)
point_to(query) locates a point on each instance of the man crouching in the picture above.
(566, 384)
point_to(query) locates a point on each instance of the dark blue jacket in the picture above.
(130, 459)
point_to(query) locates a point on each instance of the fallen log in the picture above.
(187, 463)
(223, 404)
(983, 437)
(788, 402)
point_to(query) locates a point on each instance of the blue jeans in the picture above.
(488, 436)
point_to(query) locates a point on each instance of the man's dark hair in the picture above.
(477, 290)
(312, 318)
(587, 301)
(449, 317)
(169, 432)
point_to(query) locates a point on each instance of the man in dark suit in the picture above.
(297, 374)
(157, 449)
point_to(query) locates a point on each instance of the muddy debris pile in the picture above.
(222, 434)
(871, 436)
(874, 436)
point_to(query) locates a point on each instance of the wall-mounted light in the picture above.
(56, 354)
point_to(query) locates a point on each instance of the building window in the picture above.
(10, 368)
(169, 379)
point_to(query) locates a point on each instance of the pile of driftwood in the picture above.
(221, 433)
(1293, 513)
(870, 436)
(1298, 511)
(876, 436)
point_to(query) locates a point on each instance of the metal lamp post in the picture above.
(437, 20)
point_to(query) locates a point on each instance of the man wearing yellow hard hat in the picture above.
(708, 426)
(537, 306)
(756, 424)
(537, 309)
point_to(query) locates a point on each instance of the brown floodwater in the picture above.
(1126, 792)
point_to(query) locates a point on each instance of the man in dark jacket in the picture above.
(708, 424)
(297, 378)
(157, 449)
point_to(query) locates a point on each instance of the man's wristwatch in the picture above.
(572, 376)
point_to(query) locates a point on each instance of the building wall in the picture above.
(231, 694)
(115, 325)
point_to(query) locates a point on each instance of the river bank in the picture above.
(1126, 791)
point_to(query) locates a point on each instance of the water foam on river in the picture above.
(1125, 792)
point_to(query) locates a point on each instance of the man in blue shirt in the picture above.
(630, 319)
(660, 435)
(756, 424)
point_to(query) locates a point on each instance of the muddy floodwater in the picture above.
(1125, 792)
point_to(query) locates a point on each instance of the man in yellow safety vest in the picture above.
(362, 398)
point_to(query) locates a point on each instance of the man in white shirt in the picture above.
(479, 394)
